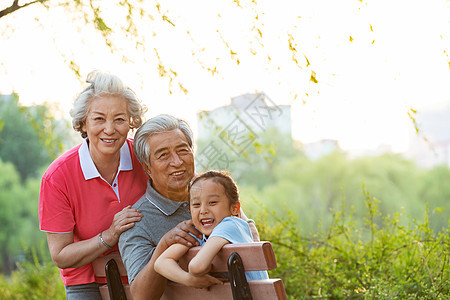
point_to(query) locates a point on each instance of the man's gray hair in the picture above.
(101, 84)
(158, 124)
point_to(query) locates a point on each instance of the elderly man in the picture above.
(163, 145)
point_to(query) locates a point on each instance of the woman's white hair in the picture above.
(100, 84)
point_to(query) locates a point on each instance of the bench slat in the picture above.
(261, 289)
(258, 256)
(255, 256)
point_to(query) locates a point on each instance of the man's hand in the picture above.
(180, 235)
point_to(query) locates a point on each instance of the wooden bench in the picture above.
(255, 257)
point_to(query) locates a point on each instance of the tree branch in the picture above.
(15, 6)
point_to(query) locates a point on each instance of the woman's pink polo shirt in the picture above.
(74, 198)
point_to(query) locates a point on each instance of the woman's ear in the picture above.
(235, 209)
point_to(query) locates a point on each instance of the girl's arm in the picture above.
(201, 263)
(167, 265)
(148, 284)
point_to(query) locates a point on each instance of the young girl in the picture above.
(214, 205)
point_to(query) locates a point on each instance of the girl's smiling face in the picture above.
(209, 205)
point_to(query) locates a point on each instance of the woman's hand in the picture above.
(253, 229)
(180, 234)
(122, 221)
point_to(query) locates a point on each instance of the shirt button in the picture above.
(115, 184)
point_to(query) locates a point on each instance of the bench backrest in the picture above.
(255, 257)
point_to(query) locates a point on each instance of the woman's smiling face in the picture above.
(107, 125)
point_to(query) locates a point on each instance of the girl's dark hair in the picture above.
(223, 178)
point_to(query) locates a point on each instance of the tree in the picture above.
(434, 189)
(18, 215)
(16, 6)
(267, 46)
(316, 189)
(19, 142)
(156, 38)
(30, 138)
(144, 33)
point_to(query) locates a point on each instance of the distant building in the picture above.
(228, 132)
(316, 150)
(248, 113)
(432, 146)
(6, 98)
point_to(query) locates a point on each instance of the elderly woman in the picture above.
(86, 194)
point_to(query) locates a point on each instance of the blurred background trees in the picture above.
(277, 181)
(275, 173)
(294, 199)
(305, 206)
(30, 138)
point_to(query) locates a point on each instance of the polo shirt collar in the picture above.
(204, 239)
(163, 204)
(88, 166)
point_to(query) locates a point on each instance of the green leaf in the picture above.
(165, 18)
(307, 60)
(439, 209)
(101, 25)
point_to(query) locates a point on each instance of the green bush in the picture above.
(33, 279)
(366, 262)
(342, 261)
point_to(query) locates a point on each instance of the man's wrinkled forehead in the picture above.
(165, 144)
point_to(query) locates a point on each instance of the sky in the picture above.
(374, 61)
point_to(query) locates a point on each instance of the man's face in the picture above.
(171, 164)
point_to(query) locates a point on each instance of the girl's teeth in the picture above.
(207, 222)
